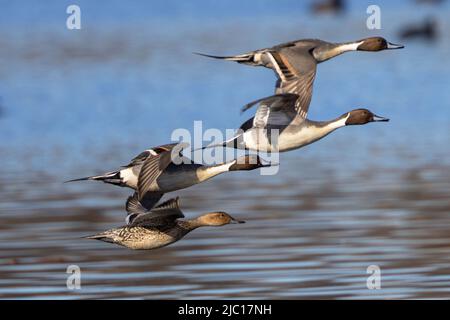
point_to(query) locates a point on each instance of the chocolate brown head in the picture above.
(247, 162)
(362, 116)
(217, 219)
(377, 44)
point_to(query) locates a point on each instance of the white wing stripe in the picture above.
(277, 67)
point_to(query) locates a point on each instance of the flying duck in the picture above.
(163, 169)
(293, 131)
(160, 226)
(295, 62)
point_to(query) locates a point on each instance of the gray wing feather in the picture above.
(302, 86)
(161, 216)
(154, 166)
(136, 208)
(139, 159)
(296, 71)
(275, 110)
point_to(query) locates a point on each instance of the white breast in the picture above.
(129, 177)
(293, 137)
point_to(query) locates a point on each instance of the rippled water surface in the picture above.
(75, 103)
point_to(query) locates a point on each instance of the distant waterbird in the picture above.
(328, 6)
(426, 30)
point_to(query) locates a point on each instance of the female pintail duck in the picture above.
(160, 226)
(163, 169)
(293, 131)
(295, 62)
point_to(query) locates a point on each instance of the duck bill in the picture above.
(235, 221)
(379, 119)
(394, 46)
(267, 164)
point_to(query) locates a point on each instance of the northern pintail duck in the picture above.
(163, 169)
(294, 131)
(160, 226)
(295, 62)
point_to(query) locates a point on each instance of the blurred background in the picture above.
(80, 102)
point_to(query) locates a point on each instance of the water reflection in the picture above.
(360, 197)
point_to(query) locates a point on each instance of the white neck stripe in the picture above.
(350, 46)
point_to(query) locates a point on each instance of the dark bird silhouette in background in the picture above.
(426, 30)
(432, 2)
(328, 6)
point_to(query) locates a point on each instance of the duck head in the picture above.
(377, 44)
(248, 162)
(217, 219)
(362, 116)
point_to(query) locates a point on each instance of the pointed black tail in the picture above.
(101, 236)
(231, 143)
(221, 144)
(109, 177)
(242, 58)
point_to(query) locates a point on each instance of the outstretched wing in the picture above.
(154, 166)
(163, 215)
(292, 62)
(140, 158)
(295, 67)
(276, 110)
(296, 72)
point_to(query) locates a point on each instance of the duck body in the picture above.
(277, 127)
(160, 226)
(295, 62)
(145, 238)
(176, 177)
(152, 173)
(290, 137)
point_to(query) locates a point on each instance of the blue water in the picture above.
(80, 102)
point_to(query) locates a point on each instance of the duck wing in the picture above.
(295, 67)
(141, 157)
(274, 111)
(154, 166)
(296, 71)
(292, 62)
(162, 216)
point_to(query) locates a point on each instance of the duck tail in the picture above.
(109, 177)
(221, 144)
(246, 58)
(104, 236)
(231, 143)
